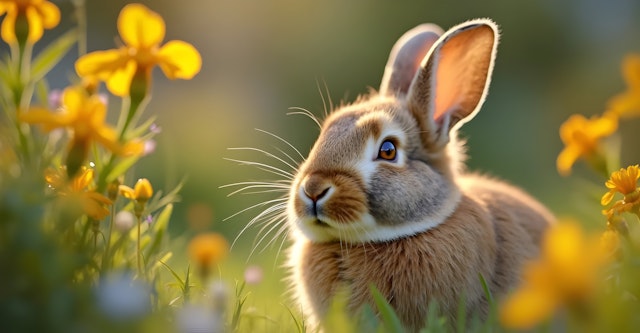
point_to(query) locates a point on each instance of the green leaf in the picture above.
(42, 91)
(337, 318)
(158, 201)
(121, 168)
(51, 55)
(237, 312)
(461, 319)
(300, 325)
(435, 322)
(175, 275)
(485, 287)
(140, 130)
(390, 319)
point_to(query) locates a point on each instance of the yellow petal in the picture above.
(526, 308)
(610, 184)
(83, 180)
(50, 14)
(209, 248)
(49, 120)
(132, 148)
(35, 24)
(55, 177)
(601, 127)
(119, 82)
(631, 70)
(143, 190)
(626, 104)
(93, 208)
(73, 100)
(567, 158)
(140, 27)
(563, 245)
(607, 197)
(101, 64)
(96, 110)
(127, 192)
(179, 60)
(107, 137)
(98, 197)
(569, 127)
(8, 32)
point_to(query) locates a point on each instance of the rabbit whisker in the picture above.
(263, 216)
(272, 186)
(326, 89)
(264, 167)
(266, 153)
(285, 142)
(284, 230)
(276, 223)
(267, 229)
(264, 203)
(266, 191)
(304, 112)
(324, 103)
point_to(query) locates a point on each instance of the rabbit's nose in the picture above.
(316, 187)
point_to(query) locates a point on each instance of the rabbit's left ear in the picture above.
(453, 80)
(406, 57)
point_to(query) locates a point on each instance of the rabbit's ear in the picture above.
(453, 80)
(405, 58)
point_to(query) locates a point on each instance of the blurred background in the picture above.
(262, 57)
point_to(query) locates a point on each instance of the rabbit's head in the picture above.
(385, 167)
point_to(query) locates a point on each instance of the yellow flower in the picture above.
(142, 31)
(207, 249)
(141, 193)
(78, 191)
(565, 274)
(84, 116)
(627, 104)
(625, 182)
(40, 15)
(581, 138)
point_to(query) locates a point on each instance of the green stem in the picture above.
(21, 53)
(106, 257)
(135, 104)
(139, 251)
(81, 17)
(85, 232)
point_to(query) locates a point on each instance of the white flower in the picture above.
(122, 298)
(219, 293)
(124, 221)
(198, 319)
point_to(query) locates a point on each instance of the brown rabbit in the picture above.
(383, 198)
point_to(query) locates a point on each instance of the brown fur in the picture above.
(417, 227)
(443, 264)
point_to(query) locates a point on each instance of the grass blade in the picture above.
(390, 319)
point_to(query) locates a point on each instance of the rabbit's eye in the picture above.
(387, 151)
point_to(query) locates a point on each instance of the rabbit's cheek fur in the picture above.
(416, 197)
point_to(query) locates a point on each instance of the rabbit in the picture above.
(383, 198)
